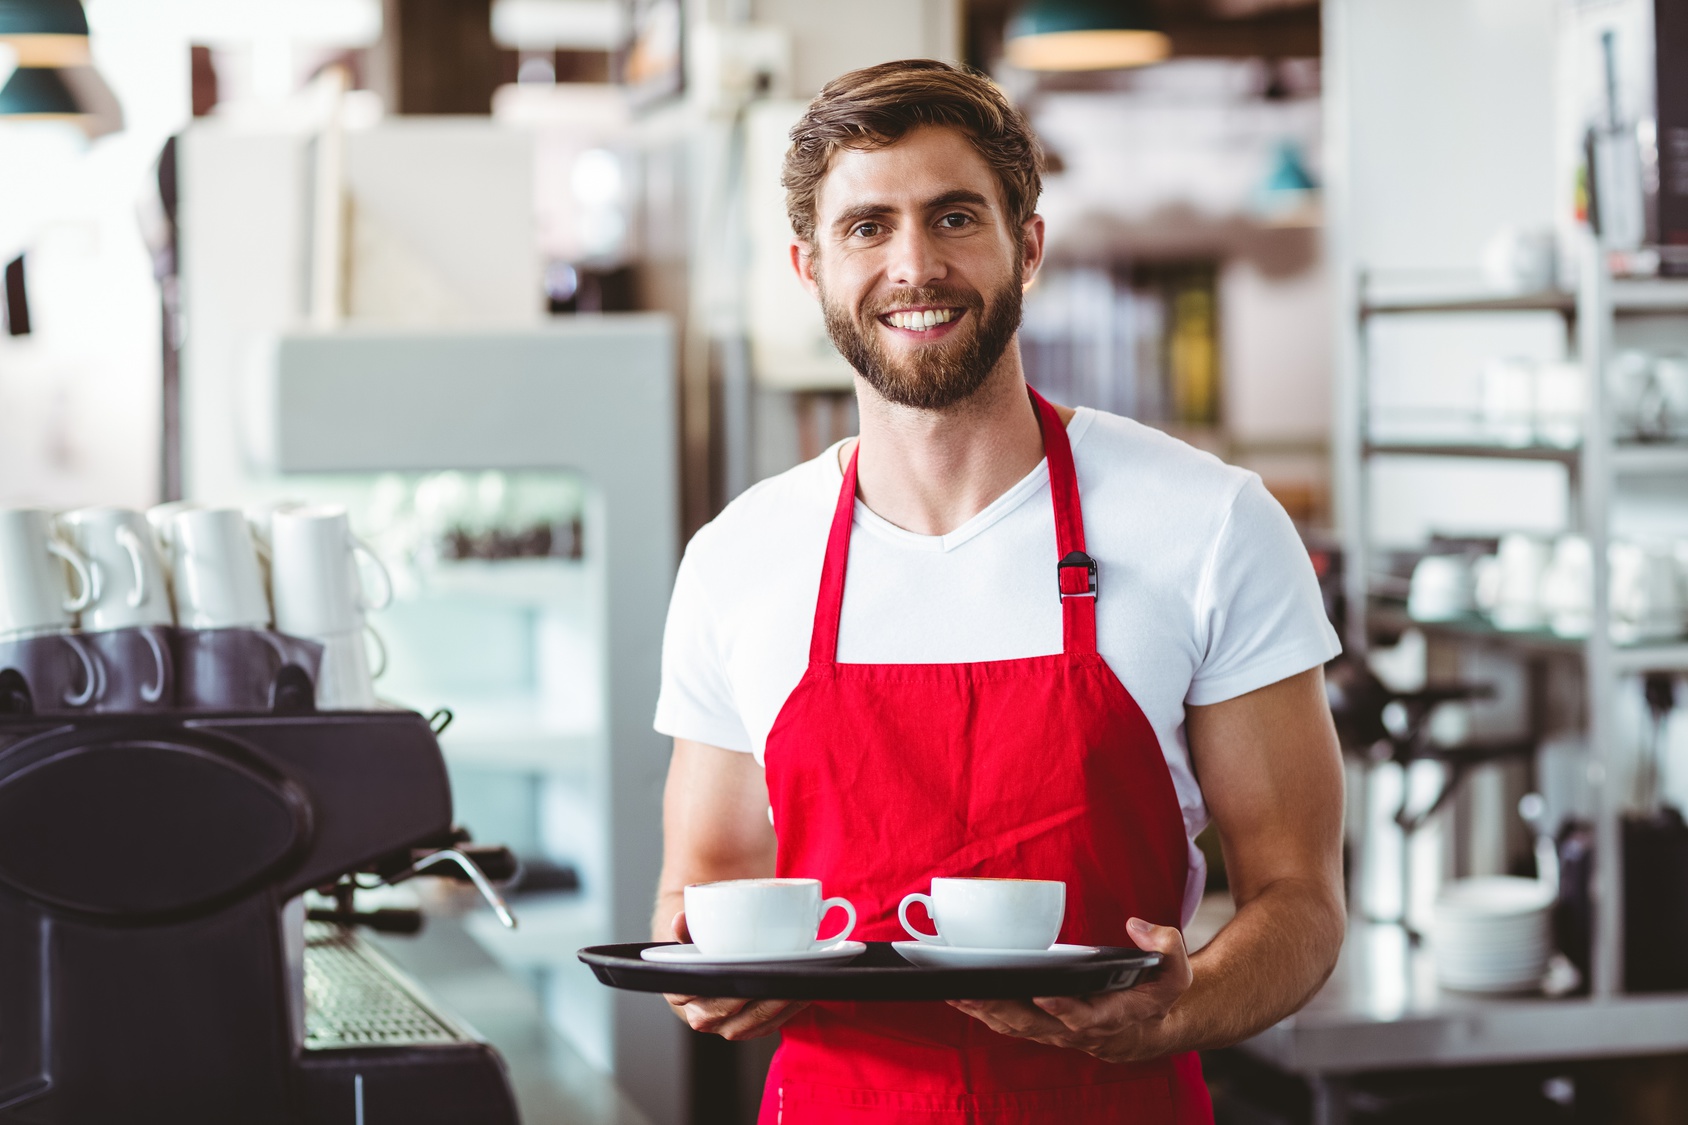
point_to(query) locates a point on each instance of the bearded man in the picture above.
(994, 638)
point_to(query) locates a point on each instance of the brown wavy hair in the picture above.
(875, 106)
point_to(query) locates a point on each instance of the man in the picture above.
(994, 638)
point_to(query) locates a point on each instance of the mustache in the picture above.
(925, 295)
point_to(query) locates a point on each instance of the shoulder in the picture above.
(1117, 458)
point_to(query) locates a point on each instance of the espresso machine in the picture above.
(156, 958)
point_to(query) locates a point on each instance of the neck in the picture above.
(930, 471)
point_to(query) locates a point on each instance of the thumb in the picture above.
(1161, 939)
(681, 933)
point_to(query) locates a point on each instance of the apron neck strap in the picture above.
(1075, 571)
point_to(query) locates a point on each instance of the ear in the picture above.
(1031, 249)
(803, 263)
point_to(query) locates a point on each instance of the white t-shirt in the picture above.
(1205, 592)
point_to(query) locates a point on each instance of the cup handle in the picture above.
(359, 547)
(91, 674)
(131, 543)
(843, 904)
(83, 574)
(380, 647)
(902, 916)
(156, 692)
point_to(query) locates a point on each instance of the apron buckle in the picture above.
(1076, 575)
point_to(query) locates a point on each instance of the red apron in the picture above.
(882, 776)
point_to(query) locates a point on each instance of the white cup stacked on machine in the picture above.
(127, 618)
(44, 584)
(319, 595)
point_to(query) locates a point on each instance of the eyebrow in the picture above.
(866, 211)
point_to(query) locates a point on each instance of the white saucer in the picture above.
(689, 955)
(930, 956)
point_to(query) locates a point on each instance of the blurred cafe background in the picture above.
(506, 280)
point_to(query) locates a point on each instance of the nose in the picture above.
(916, 257)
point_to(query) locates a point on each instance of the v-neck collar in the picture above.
(1022, 490)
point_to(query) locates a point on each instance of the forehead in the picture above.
(924, 163)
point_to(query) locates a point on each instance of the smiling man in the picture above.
(993, 637)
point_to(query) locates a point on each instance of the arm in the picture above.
(714, 826)
(1271, 773)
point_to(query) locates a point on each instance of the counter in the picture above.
(553, 1084)
(1382, 1010)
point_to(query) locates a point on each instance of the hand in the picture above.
(730, 1019)
(1128, 1026)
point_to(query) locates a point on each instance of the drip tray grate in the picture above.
(352, 999)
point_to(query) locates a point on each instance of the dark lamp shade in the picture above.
(1085, 35)
(42, 17)
(38, 94)
(45, 32)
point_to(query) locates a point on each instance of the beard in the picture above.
(938, 375)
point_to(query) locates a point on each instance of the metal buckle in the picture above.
(1074, 560)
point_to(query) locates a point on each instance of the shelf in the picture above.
(1651, 658)
(1633, 298)
(1642, 460)
(1470, 302)
(1650, 297)
(1628, 460)
(1473, 449)
(1390, 618)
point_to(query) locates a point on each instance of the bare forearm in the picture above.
(1265, 964)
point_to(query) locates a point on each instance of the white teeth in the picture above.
(921, 320)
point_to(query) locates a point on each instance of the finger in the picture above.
(1075, 1013)
(681, 932)
(1169, 943)
(762, 1017)
(711, 1013)
(1011, 1018)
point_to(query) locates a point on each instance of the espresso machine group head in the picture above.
(155, 960)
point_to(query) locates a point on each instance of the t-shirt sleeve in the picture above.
(696, 701)
(1261, 610)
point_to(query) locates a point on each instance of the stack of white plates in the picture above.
(1492, 934)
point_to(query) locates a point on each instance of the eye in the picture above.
(866, 230)
(955, 220)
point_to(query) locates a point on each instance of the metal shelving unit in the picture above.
(1593, 470)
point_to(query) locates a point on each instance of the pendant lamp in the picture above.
(45, 32)
(38, 94)
(1085, 35)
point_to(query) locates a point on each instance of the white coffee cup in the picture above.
(761, 916)
(1509, 401)
(159, 517)
(346, 682)
(1567, 588)
(34, 597)
(214, 570)
(1443, 587)
(314, 577)
(1523, 561)
(1647, 594)
(128, 577)
(991, 913)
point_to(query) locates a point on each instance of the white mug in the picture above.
(214, 570)
(33, 592)
(345, 681)
(129, 587)
(1509, 401)
(1523, 561)
(1567, 588)
(314, 572)
(159, 517)
(1444, 587)
(1647, 595)
(991, 913)
(761, 916)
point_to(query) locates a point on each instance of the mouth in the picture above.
(922, 323)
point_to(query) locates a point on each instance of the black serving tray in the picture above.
(879, 973)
